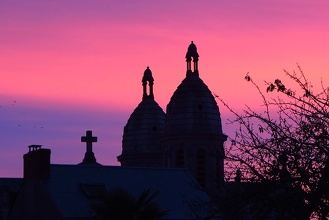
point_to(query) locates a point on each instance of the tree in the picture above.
(284, 147)
(119, 204)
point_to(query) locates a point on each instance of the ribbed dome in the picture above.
(143, 129)
(140, 142)
(193, 109)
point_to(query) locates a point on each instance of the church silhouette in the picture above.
(178, 153)
(189, 135)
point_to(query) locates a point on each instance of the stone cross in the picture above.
(89, 139)
(89, 155)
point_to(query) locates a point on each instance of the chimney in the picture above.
(37, 163)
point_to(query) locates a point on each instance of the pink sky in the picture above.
(67, 66)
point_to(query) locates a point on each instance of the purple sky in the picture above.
(68, 66)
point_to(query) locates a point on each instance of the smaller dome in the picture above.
(140, 142)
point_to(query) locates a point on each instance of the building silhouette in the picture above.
(189, 135)
(178, 153)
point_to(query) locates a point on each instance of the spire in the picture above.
(192, 53)
(148, 81)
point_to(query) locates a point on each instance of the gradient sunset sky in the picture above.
(68, 66)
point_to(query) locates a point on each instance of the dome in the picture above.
(193, 109)
(193, 137)
(140, 142)
(143, 129)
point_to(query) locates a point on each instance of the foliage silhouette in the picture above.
(119, 204)
(284, 149)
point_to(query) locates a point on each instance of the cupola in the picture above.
(147, 82)
(192, 56)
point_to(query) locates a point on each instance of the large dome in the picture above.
(193, 109)
(193, 136)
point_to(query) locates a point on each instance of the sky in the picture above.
(67, 66)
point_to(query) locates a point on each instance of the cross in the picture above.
(89, 155)
(89, 139)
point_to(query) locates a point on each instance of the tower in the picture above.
(193, 136)
(140, 142)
